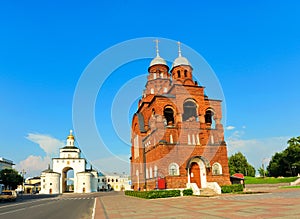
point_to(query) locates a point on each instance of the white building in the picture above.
(57, 180)
(115, 181)
(6, 164)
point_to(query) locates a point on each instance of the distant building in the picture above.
(6, 164)
(115, 181)
(55, 181)
(84, 180)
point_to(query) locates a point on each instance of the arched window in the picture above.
(209, 116)
(185, 73)
(169, 115)
(216, 169)
(173, 169)
(189, 110)
(178, 73)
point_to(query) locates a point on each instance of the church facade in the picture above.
(177, 135)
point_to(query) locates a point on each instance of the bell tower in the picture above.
(158, 81)
(182, 71)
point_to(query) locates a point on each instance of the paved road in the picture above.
(66, 207)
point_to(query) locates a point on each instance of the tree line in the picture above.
(285, 163)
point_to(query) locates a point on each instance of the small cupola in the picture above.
(70, 139)
(158, 60)
(180, 60)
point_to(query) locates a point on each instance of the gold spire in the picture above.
(71, 136)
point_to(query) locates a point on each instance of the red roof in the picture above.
(239, 175)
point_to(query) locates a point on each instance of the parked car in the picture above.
(8, 195)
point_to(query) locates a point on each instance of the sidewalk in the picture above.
(278, 204)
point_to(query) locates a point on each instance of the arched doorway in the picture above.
(196, 168)
(68, 180)
(195, 174)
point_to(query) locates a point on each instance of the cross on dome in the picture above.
(156, 46)
(157, 60)
(179, 48)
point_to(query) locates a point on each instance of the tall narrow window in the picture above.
(178, 74)
(171, 139)
(189, 139)
(169, 115)
(194, 140)
(198, 140)
(209, 116)
(185, 73)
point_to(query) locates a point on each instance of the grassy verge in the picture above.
(290, 187)
(268, 180)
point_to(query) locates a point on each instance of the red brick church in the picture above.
(177, 136)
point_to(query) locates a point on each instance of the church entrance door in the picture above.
(195, 174)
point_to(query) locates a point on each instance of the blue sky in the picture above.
(252, 46)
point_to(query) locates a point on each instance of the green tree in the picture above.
(262, 172)
(10, 178)
(239, 164)
(287, 162)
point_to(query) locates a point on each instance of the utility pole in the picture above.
(23, 172)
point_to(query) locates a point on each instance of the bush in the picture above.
(154, 194)
(187, 192)
(232, 188)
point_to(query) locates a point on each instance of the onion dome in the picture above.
(180, 60)
(157, 60)
(71, 136)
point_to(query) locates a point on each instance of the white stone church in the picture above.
(54, 181)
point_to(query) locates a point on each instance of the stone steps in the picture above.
(207, 192)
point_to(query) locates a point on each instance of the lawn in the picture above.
(268, 180)
(290, 187)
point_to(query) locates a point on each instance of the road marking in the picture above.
(26, 202)
(94, 209)
(20, 209)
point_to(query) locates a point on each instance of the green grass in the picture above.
(268, 180)
(290, 187)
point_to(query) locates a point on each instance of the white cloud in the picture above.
(49, 144)
(230, 127)
(257, 151)
(33, 165)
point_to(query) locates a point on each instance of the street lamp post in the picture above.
(23, 180)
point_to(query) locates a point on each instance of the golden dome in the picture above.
(71, 136)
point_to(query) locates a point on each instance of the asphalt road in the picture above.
(65, 207)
